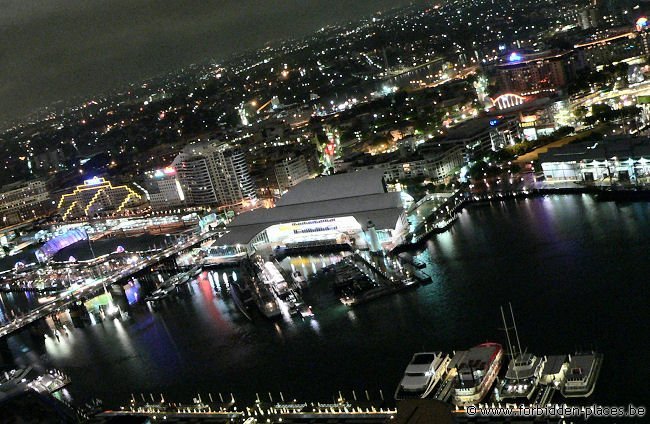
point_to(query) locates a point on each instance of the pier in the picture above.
(67, 298)
(360, 408)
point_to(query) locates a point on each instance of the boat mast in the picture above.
(505, 328)
(515, 327)
(511, 347)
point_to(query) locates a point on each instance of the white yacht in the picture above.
(422, 374)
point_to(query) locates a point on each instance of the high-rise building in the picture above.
(290, 172)
(215, 173)
(589, 17)
(97, 195)
(164, 188)
(535, 73)
(22, 201)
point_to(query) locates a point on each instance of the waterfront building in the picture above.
(349, 209)
(215, 173)
(439, 163)
(164, 189)
(534, 73)
(97, 195)
(290, 172)
(21, 201)
(624, 160)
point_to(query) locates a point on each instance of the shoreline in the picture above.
(600, 195)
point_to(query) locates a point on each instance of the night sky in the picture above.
(59, 49)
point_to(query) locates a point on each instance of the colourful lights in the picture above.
(514, 57)
(166, 171)
(641, 23)
(508, 100)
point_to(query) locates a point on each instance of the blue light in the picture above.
(93, 181)
(494, 122)
(514, 57)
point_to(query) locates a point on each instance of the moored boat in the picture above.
(421, 375)
(477, 370)
(582, 375)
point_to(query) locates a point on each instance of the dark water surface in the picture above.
(575, 270)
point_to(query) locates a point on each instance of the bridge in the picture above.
(67, 298)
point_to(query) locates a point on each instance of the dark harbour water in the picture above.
(575, 270)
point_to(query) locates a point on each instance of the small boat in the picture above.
(159, 294)
(239, 297)
(298, 279)
(304, 310)
(182, 279)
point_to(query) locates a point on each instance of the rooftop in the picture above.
(473, 128)
(335, 187)
(360, 194)
(619, 148)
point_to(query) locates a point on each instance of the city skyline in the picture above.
(414, 216)
(61, 50)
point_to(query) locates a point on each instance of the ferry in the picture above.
(477, 370)
(582, 375)
(522, 377)
(422, 374)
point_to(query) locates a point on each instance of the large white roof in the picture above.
(358, 194)
(339, 186)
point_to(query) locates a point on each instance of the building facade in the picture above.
(350, 208)
(480, 135)
(623, 161)
(215, 173)
(535, 73)
(22, 201)
(164, 189)
(612, 47)
(290, 172)
(436, 166)
(97, 195)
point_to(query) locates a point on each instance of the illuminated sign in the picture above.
(494, 122)
(514, 57)
(641, 23)
(160, 173)
(94, 181)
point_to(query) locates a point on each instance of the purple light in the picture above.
(514, 57)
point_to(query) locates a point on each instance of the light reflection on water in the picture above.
(573, 283)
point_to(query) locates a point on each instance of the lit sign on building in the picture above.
(93, 181)
(160, 173)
